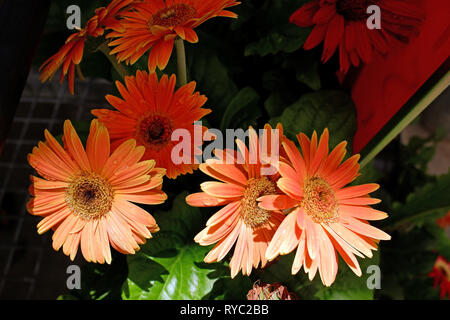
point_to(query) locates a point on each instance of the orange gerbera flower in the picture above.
(441, 276)
(155, 24)
(71, 53)
(240, 222)
(325, 216)
(86, 195)
(150, 112)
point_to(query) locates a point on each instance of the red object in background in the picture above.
(383, 87)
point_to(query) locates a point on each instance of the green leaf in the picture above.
(288, 38)
(319, 110)
(308, 73)
(170, 266)
(213, 80)
(242, 110)
(428, 203)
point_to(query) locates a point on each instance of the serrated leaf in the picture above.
(213, 80)
(170, 266)
(319, 110)
(242, 110)
(428, 203)
(288, 38)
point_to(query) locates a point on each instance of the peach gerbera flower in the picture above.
(155, 24)
(150, 112)
(441, 276)
(86, 195)
(240, 223)
(325, 216)
(71, 53)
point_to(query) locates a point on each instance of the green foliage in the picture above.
(170, 265)
(429, 202)
(319, 110)
(242, 110)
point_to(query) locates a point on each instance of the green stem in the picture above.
(181, 62)
(117, 66)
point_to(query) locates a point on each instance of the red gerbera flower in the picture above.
(343, 24)
(71, 53)
(441, 276)
(155, 24)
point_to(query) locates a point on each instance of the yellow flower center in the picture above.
(173, 16)
(444, 268)
(154, 132)
(252, 215)
(89, 196)
(354, 10)
(319, 201)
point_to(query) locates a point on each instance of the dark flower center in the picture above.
(252, 215)
(89, 196)
(353, 10)
(173, 16)
(155, 131)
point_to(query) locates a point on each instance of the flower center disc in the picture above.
(173, 16)
(353, 10)
(252, 215)
(155, 131)
(319, 201)
(90, 196)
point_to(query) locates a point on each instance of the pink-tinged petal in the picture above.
(146, 197)
(291, 188)
(346, 251)
(225, 172)
(356, 191)
(359, 201)
(362, 212)
(222, 190)
(224, 246)
(292, 236)
(202, 199)
(286, 171)
(135, 213)
(218, 231)
(281, 235)
(328, 266)
(224, 213)
(312, 239)
(276, 202)
(364, 229)
(299, 255)
(237, 259)
(295, 158)
(351, 239)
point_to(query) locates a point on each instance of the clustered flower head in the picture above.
(267, 291)
(89, 194)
